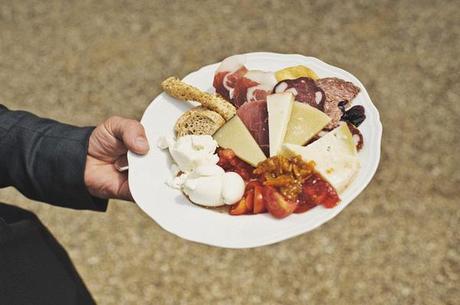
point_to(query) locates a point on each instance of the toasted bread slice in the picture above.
(180, 90)
(198, 121)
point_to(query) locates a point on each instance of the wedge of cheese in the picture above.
(305, 122)
(334, 154)
(235, 136)
(279, 107)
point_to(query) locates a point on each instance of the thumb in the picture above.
(130, 132)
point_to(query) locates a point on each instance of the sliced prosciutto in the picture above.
(255, 85)
(255, 116)
(241, 91)
(227, 75)
(304, 90)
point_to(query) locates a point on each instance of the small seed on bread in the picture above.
(183, 91)
(198, 121)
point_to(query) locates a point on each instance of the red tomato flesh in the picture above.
(317, 191)
(277, 204)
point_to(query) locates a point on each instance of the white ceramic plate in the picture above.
(172, 211)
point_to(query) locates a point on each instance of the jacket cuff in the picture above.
(73, 178)
(46, 161)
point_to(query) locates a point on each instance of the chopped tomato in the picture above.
(316, 190)
(254, 189)
(277, 204)
(231, 163)
(259, 204)
(250, 200)
(239, 208)
(304, 204)
(252, 184)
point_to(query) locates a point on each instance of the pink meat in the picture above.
(305, 91)
(255, 116)
(336, 90)
(241, 91)
(225, 80)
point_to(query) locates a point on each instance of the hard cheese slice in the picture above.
(279, 107)
(235, 136)
(334, 154)
(305, 122)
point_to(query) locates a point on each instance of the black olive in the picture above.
(342, 105)
(355, 115)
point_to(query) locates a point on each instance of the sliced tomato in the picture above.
(231, 163)
(249, 200)
(239, 208)
(276, 204)
(252, 184)
(316, 190)
(304, 206)
(258, 201)
(259, 205)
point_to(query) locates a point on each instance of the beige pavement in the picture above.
(397, 243)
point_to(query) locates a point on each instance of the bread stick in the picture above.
(180, 90)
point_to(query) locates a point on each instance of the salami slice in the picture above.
(338, 92)
(305, 91)
(357, 136)
(332, 109)
(337, 89)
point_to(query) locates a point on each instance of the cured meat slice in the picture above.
(337, 91)
(305, 91)
(265, 83)
(255, 116)
(227, 75)
(357, 136)
(241, 91)
(332, 109)
(255, 85)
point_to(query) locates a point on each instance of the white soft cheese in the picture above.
(204, 185)
(197, 174)
(232, 187)
(209, 185)
(191, 151)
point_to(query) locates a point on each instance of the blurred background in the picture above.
(397, 243)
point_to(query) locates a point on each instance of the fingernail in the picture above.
(141, 143)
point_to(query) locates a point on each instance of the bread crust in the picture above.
(198, 121)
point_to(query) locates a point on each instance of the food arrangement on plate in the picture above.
(277, 142)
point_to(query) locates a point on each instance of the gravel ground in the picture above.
(398, 243)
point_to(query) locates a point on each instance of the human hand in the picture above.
(108, 145)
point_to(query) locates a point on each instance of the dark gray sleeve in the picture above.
(45, 160)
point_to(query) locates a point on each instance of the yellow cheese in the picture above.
(295, 72)
(235, 136)
(305, 122)
(334, 155)
(279, 107)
